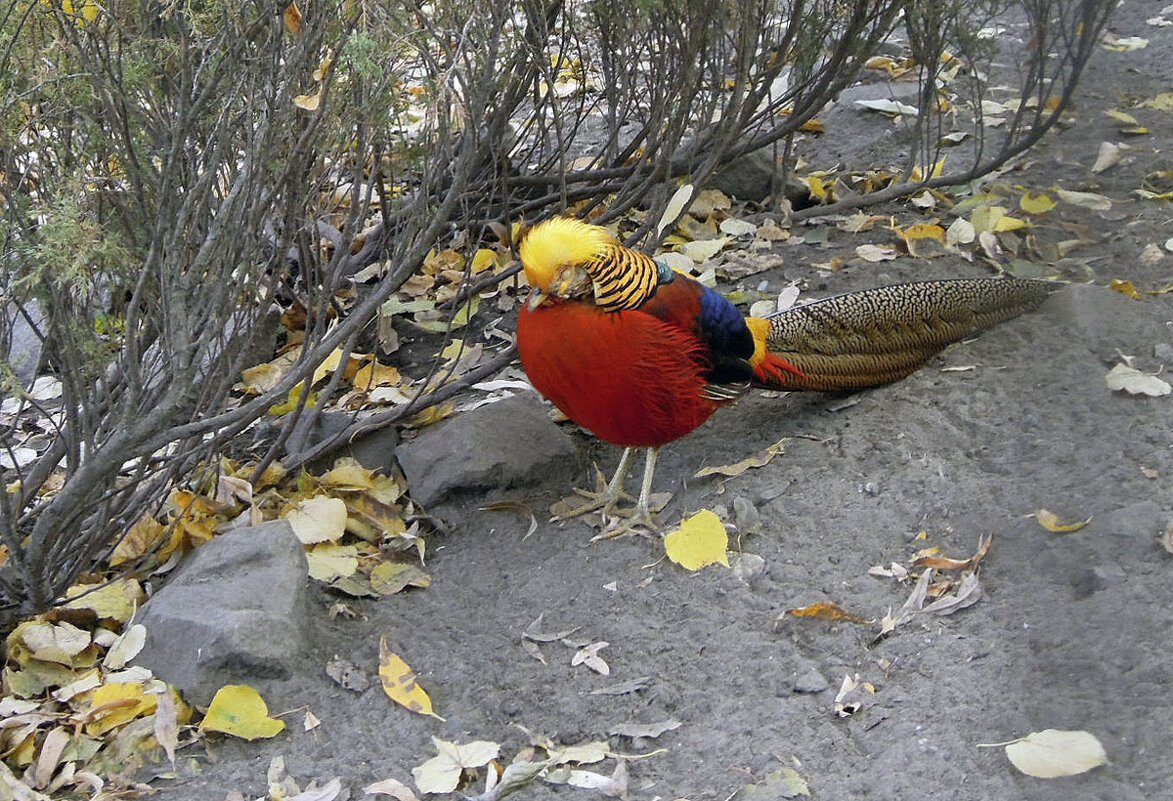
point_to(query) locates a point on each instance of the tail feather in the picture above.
(871, 337)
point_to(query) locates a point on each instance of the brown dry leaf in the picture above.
(292, 18)
(347, 675)
(875, 253)
(1087, 200)
(911, 607)
(649, 730)
(533, 632)
(1051, 522)
(142, 537)
(1107, 157)
(738, 468)
(825, 610)
(851, 695)
(945, 563)
(709, 202)
(309, 102)
(1136, 382)
(968, 592)
(392, 787)
(589, 656)
(166, 727)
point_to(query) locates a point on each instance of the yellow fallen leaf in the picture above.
(116, 703)
(375, 374)
(483, 259)
(141, 538)
(114, 601)
(936, 171)
(458, 320)
(1121, 116)
(349, 474)
(1052, 753)
(675, 206)
(701, 540)
(994, 218)
(1125, 288)
(328, 366)
(328, 561)
(399, 683)
(388, 578)
(1163, 101)
(49, 642)
(922, 231)
(441, 773)
(318, 519)
(1051, 522)
(239, 710)
(292, 399)
(945, 563)
(1036, 203)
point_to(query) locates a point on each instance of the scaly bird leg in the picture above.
(638, 520)
(643, 512)
(606, 500)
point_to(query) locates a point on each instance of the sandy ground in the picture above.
(1071, 632)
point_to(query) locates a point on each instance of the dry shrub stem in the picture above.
(162, 192)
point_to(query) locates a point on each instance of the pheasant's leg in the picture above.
(609, 497)
(638, 520)
(643, 513)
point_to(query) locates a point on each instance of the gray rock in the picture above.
(751, 177)
(810, 681)
(505, 444)
(20, 344)
(233, 613)
(374, 451)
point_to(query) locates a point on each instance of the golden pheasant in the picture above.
(641, 355)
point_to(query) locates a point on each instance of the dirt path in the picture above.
(1071, 632)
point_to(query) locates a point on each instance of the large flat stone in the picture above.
(502, 445)
(233, 613)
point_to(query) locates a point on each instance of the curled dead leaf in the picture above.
(825, 610)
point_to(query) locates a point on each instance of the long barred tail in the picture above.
(861, 339)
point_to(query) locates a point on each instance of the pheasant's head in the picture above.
(555, 254)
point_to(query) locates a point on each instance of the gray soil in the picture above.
(1072, 631)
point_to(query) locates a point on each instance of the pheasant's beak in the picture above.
(536, 298)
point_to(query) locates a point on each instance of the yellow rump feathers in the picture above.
(558, 243)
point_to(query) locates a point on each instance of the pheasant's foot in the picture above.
(604, 498)
(604, 501)
(625, 522)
